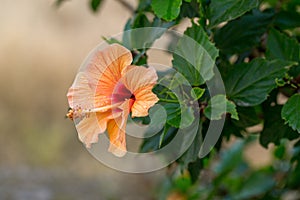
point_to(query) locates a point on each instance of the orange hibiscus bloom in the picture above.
(105, 92)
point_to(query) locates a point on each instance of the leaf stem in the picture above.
(169, 100)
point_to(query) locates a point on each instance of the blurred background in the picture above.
(41, 49)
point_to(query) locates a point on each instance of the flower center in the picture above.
(121, 93)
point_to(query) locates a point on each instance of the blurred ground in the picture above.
(41, 48)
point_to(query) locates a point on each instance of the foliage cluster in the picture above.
(255, 46)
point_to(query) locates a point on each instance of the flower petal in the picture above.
(116, 137)
(106, 68)
(116, 131)
(140, 81)
(145, 99)
(88, 130)
(80, 94)
(136, 77)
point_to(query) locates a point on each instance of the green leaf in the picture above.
(189, 9)
(195, 53)
(197, 92)
(287, 20)
(294, 176)
(167, 9)
(226, 10)
(152, 143)
(140, 20)
(230, 158)
(248, 84)
(280, 151)
(244, 33)
(256, 184)
(291, 112)
(111, 40)
(247, 117)
(144, 5)
(280, 46)
(191, 155)
(59, 2)
(140, 33)
(158, 118)
(179, 117)
(162, 136)
(274, 128)
(219, 105)
(195, 168)
(95, 4)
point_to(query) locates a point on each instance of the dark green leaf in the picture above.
(294, 176)
(280, 46)
(192, 152)
(280, 151)
(167, 9)
(195, 169)
(179, 117)
(244, 33)
(95, 4)
(140, 21)
(195, 53)
(152, 143)
(218, 106)
(248, 84)
(291, 112)
(287, 20)
(274, 128)
(247, 117)
(226, 10)
(189, 9)
(230, 128)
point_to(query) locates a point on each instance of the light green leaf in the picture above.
(226, 10)
(244, 33)
(197, 93)
(219, 105)
(280, 46)
(167, 9)
(291, 112)
(248, 84)
(195, 56)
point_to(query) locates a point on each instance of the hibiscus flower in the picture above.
(105, 92)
